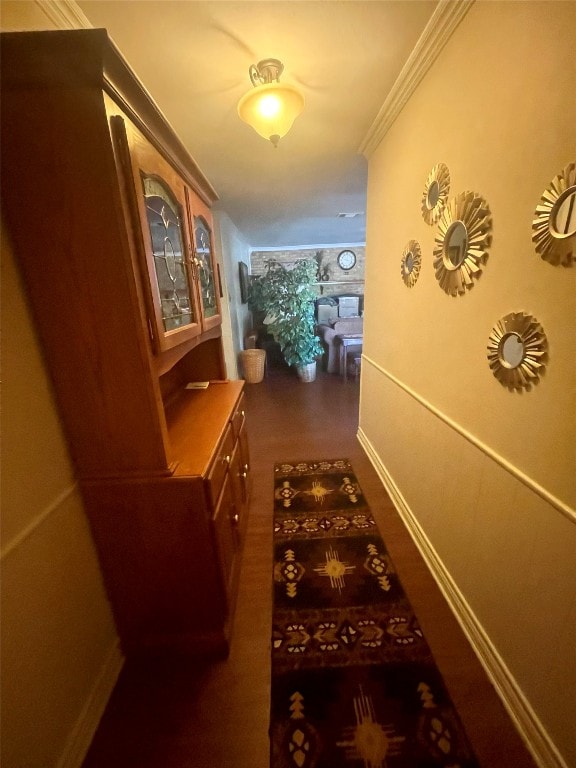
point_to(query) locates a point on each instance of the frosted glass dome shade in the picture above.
(271, 109)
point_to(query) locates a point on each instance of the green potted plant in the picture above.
(286, 297)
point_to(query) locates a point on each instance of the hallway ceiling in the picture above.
(193, 58)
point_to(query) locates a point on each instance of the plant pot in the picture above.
(306, 372)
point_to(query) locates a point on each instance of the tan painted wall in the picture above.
(231, 249)
(59, 646)
(59, 649)
(498, 108)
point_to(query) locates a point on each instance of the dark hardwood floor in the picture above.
(183, 714)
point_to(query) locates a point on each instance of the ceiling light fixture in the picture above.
(270, 107)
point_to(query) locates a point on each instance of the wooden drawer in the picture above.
(240, 491)
(219, 467)
(245, 463)
(239, 416)
(225, 538)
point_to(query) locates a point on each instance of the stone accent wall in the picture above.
(346, 282)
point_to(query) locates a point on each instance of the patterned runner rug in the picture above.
(354, 682)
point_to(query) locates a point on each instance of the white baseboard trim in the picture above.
(527, 723)
(87, 723)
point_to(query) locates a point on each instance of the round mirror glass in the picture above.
(563, 219)
(511, 350)
(409, 262)
(433, 195)
(455, 245)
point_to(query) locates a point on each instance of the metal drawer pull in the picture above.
(226, 459)
(244, 476)
(236, 519)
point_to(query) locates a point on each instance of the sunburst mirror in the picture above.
(461, 242)
(517, 350)
(411, 263)
(554, 224)
(435, 194)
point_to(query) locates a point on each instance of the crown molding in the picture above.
(64, 14)
(446, 17)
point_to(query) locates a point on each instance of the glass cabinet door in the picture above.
(160, 195)
(168, 251)
(204, 263)
(208, 282)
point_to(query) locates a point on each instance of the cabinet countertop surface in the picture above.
(197, 420)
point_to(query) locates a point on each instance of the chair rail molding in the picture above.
(37, 521)
(527, 722)
(555, 502)
(64, 14)
(446, 17)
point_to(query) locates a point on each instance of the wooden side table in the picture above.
(345, 341)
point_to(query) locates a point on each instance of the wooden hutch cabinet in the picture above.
(109, 218)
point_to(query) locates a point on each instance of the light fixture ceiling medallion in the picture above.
(270, 107)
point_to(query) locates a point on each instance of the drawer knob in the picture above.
(244, 475)
(243, 413)
(226, 459)
(236, 519)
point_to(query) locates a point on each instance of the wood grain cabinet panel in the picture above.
(240, 467)
(110, 220)
(225, 537)
(220, 466)
(240, 476)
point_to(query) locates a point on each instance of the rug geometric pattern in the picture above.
(353, 680)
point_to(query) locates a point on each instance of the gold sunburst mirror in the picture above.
(435, 195)
(461, 242)
(517, 350)
(411, 263)
(554, 224)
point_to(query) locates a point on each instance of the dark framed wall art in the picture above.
(244, 280)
